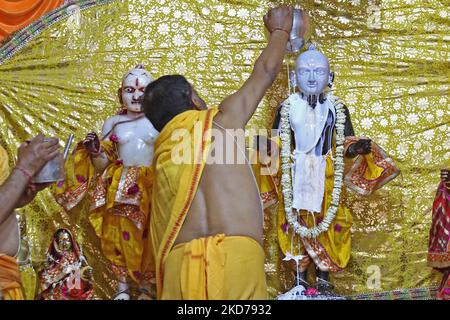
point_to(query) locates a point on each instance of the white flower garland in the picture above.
(286, 179)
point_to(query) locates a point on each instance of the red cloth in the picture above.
(444, 288)
(439, 242)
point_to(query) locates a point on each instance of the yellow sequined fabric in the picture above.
(391, 64)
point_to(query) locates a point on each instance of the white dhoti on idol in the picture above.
(308, 174)
(308, 170)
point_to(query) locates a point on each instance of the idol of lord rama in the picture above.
(116, 168)
(319, 154)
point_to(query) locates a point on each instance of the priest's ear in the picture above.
(197, 102)
(331, 79)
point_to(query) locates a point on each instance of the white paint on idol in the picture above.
(133, 87)
(135, 134)
(312, 71)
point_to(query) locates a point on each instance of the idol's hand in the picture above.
(92, 143)
(445, 175)
(87, 273)
(33, 155)
(263, 144)
(362, 147)
(279, 18)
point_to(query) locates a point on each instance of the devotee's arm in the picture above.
(10, 193)
(31, 158)
(9, 236)
(237, 109)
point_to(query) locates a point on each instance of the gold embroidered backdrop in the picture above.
(391, 64)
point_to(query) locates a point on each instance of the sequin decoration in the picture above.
(390, 60)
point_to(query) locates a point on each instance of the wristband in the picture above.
(25, 172)
(281, 29)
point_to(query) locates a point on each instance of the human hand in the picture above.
(33, 155)
(279, 18)
(362, 147)
(92, 143)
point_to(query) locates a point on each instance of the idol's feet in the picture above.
(325, 287)
(123, 292)
(444, 288)
(123, 295)
(145, 294)
(300, 279)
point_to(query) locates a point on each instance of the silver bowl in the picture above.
(300, 28)
(52, 171)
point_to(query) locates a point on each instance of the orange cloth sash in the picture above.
(175, 184)
(10, 282)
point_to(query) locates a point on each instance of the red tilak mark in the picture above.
(137, 82)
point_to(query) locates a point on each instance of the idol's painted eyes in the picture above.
(303, 71)
(318, 71)
(129, 90)
(133, 90)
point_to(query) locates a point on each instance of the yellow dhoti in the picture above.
(215, 268)
(120, 208)
(120, 213)
(10, 282)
